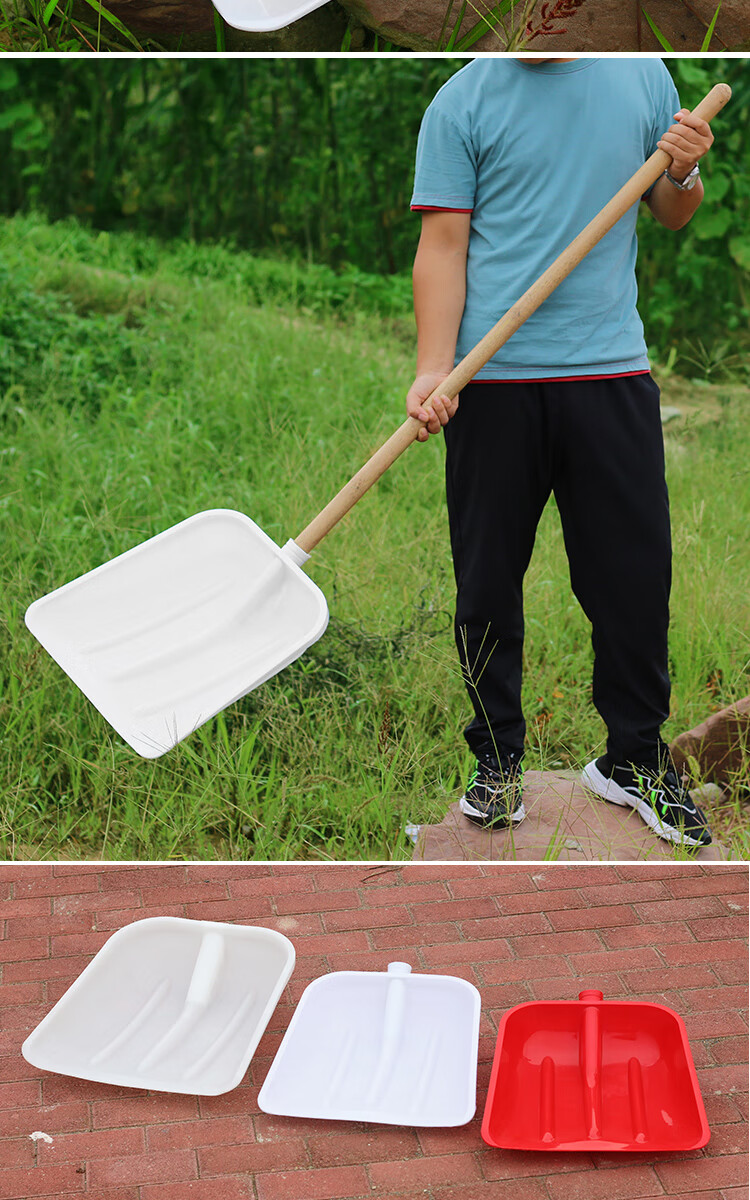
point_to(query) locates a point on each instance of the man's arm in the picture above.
(439, 297)
(687, 141)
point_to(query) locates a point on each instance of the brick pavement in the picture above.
(676, 934)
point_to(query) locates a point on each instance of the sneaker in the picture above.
(656, 794)
(493, 797)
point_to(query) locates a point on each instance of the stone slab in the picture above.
(598, 25)
(563, 822)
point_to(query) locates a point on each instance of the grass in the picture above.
(69, 26)
(140, 383)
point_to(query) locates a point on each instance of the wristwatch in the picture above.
(688, 182)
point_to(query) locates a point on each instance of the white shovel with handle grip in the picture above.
(168, 634)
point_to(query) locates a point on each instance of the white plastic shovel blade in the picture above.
(169, 1004)
(390, 1047)
(166, 635)
(262, 16)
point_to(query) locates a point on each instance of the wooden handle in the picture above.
(465, 371)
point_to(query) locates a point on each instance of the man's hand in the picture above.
(440, 411)
(687, 141)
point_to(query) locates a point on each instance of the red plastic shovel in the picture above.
(593, 1074)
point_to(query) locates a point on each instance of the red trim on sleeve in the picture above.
(438, 208)
(566, 378)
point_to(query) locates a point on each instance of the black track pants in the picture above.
(597, 445)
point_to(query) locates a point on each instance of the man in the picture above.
(515, 156)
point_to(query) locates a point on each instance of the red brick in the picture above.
(332, 943)
(503, 880)
(424, 1172)
(456, 1140)
(44, 969)
(131, 879)
(116, 918)
(688, 952)
(628, 959)
(51, 886)
(375, 960)
(375, 1143)
(179, 893)
(113, 1194)
(15, 951)
(616, 1184)
(142, 1168)
(726, 1078)
(562, 876)
(329, 1183)
(647, 935)
(731, 972)
(714, 1024)
(729, 1050)
(15, 1152)
(717, 928)
(679, 1177)
(263, 884)
(408, 893)
(688, 909)
(413, 935)
(514, 1189)
(318, 902)
(23, 1183)
(506, 927)
(375, 918)
(455, 910)
(28, 907)
(77, 1147)
(693, 976)
(95, 902)
(539, 901)
(557, 943)
(239, 1102)
(78, 943)
(135, 1109)
(467, 952)
(705, 999)
(721, 1110)
(727, 1140)
(253, 1156)
(593, 918)
(546, 967)
(568, 989)
(661, 870)
(18, 994)
(716, 882)
(337, 877)
(186, 1135)
(246, 908)
(58, 1118)
(504, 1164)
(20, 1095)
(44, 927)
(622, 892)
(199, 1189)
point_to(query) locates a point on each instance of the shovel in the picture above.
(168, 634)
(594, 1075)
(168, 1004)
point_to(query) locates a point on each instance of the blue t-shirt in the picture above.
(534, 152)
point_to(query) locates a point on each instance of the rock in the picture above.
(563, 822)
(720, 746)
(598, 25)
